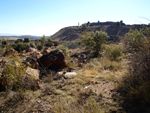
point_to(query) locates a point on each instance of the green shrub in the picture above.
(95, 41)
(14, 72)
(32, 45)
(20, 46)
(1, 49)
(26, 40)
(135, 85)
(40, 47)
(49, 39)
(56, 43)
(43, 38)
(18, 40)
(113, 52)
(134, 40)
(49, 44)
(4, 42)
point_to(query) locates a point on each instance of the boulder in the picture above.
(45, 51)
(66, 75)
(53, 60)
(30, 49)
(33, 73)
(10, 52)
(31, 62)
(3, 62)
(36, 54)
(69, 75)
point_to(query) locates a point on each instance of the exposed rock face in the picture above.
(10, 52)
(54, 59)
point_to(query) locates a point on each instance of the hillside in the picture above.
(114, 29)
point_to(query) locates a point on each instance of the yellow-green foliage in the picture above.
(134, 40)
(113, 51)
(14, 72)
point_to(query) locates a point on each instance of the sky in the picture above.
(46, 17)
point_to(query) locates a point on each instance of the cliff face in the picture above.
(114, 29)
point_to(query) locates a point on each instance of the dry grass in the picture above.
(91, 91)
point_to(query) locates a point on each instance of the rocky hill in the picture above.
(114, 30)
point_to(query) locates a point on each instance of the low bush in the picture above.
(26, 40)
(56, 43)
(40, 47)
(113, 52)
(20, 46)
(14, 72)
(18, 40)
(32, 45)
(135, 85)
(4, 42)
(48, 44)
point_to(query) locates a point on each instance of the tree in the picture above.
(18, 40)
(96, 40)
(56, 43)
(49, 39)
(4, 42)
(26, 40)
(43, 38)
(49, 44)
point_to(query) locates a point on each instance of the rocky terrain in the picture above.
(70, 77)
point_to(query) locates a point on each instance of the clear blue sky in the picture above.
(45, 17)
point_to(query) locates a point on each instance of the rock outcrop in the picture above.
(53, 60)
(10, 52)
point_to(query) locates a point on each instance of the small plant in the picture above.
(49, 44)
(113, 52)
(40, 47)
(56, 44)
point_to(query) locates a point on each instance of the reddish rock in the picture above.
(54, 59)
